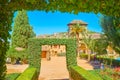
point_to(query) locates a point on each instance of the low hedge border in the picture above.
(85, 56)
(12, 76)
(98, 72)
(109, 61)
(29, 74)
(106, 60)
(78, 73)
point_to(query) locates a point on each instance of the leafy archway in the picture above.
(8, 7)
(35, 50)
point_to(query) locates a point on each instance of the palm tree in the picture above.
(90, 44)
(76, 30)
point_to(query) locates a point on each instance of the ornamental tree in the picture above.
(22, 30)
(75, 32)
(111, 28)
(90, 43)
(101, 45)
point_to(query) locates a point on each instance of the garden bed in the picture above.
(108, 73)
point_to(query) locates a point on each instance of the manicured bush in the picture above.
(61, 54)
(83, 56)
(12, 76)
(97, 72)
(15, 54)
(29, 74)
(109, 61)
(35, 44)
(78, 73)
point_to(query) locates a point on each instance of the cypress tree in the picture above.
(22, 30)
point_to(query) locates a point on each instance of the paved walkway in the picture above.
(16, 68)
(84, 64)
(55, 69)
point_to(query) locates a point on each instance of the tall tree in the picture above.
(90, 44)
(5, 27)
(22, 30)
(111, 28)
(101, 45)
(75, 32)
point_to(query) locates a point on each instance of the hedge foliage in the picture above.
(78, 73)
(97, 72)
(13, 53)
(35, 44)
(109, 61)
(8, 7)
(29, 74)
(12, 76)
(106, 60)
(85, 56)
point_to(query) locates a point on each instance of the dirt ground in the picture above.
(55, 69)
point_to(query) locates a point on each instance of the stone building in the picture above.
(52, 50)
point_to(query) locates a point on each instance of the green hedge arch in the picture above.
(8, 7)
(34, 48)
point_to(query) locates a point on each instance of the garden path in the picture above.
(55, 69)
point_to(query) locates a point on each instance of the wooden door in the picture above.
(44, 54)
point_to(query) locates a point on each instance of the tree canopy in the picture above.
(108, 7)
(22, 30)
(111, 28)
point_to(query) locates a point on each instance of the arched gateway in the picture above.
(35, 50)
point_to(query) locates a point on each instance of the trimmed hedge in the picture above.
(85, 56)
(29, 74)
(108, 61)
(97, 73)
(35, 44)
(12, 76)
(78, 73)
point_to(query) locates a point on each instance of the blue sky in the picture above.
(49, 23)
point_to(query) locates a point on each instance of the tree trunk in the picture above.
(88, 52)
(88, 56)
(77, 37)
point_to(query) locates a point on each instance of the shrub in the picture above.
(29, 74)
(78, 73)
(97, 72)
(61, 54)
(12, 76)
(14, 54)
(83, 56)
(109, 61)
